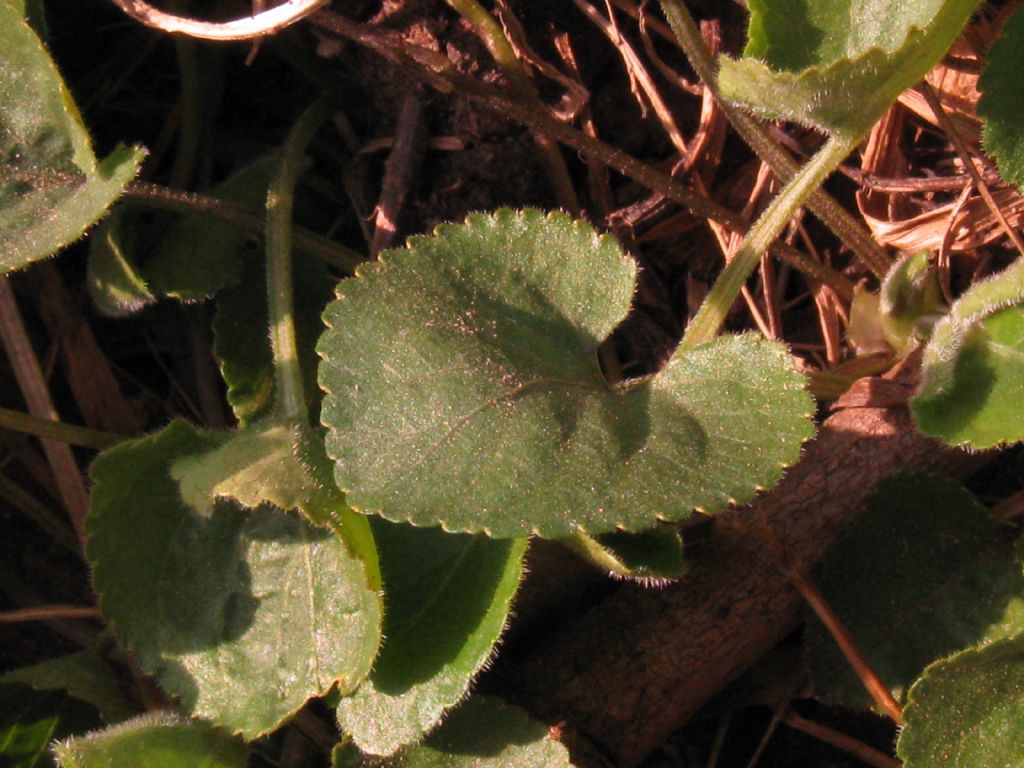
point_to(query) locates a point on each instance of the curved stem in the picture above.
(291, 403)
(245, 28)
(57, 430)
(162, 198)
(712, 312)
(837, 218)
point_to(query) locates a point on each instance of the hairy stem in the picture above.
(291, 402)
(837, 218)
(706, 324)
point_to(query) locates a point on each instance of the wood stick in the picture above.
(632, 670)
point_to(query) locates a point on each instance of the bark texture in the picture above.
(633, 669)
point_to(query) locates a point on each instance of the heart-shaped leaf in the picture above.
(923, 572)
(839, 64)
(463, 390)
(159, 740)
(973, 366)
(1002, 90)
(51, 186)
(448, 601)
(482, 733)
(242, 614)
(967, 711)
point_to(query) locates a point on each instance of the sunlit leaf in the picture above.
(482, 733)
(241, 614)
(463, 390)
(923, 572)
(839, 64)
(1002, 90)
(448, 599)
(967, 711)
(159, 740)
(973, 367)
(51, 186)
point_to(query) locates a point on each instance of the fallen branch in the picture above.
(636, 667)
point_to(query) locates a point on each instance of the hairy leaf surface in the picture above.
(448, 599)
(51, 186)
(838, 65)
(463, 390)
(967, 711)
(923, 572)
(242, 614)
(1002, 90)
(159, 740)
(482, 733)
(973, 366)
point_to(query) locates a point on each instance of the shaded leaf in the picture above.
(448, 599)
(51, 186)
(838, 65)
(1002, 91)
(244, 614)
(84, 676)
(30, 721)
(973, 366)
(463, 389)
(482, 733)
(967, 711)
(200, 255)
(240, 334)
(652, 556)
(923, 572)
(156, 740)
(115, 282)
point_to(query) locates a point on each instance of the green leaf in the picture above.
(30, 721)
(924, 571)
(158, 740)
(463, 389)
(839, 64)
(967, 711)
(244, 614)
(51, 186)
(115, 282)
(200, 255)
(654, 556)
(482, 733)
(973, 367)
(448, 600)
(1001, 93)
(240, 334)
(84, 676)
